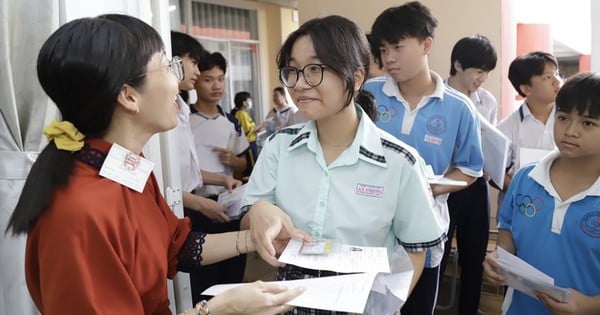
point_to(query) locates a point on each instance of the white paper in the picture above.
(529, 155)
(495, 147)
(344, 293)
(521, 276)
(232, 201)
(432, 178)
(342, 258)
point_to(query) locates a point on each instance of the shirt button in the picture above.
(322, 203)
(317, 234)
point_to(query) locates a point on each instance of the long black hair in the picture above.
(82, 67)
(341, 46)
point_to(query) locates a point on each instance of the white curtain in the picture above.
(24, 109)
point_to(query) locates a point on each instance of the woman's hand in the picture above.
(254, 298)
(492, 269)
(271, 229)
(578, 304)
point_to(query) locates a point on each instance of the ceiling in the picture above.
(284, 3)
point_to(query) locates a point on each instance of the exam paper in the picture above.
(495, 148)
(344, 293)
(432, 178)
(232, 201)
(522, 276)
(342, 258)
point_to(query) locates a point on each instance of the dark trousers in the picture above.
(421, 300)
(469, 217)
(227, 271)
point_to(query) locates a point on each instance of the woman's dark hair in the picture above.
(82, 67)
(340, 45)
(238, 100)
(580, 92)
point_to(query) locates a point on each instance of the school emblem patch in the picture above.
(437, 125)
(590, 224)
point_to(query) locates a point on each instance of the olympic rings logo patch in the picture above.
(590, 224)
(528, 205)
(385, 113)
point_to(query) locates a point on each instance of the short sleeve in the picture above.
(468, 157)
(263, 181)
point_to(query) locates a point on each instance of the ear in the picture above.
(129, 99)
(458, 66)
(525, 88)
(359, 78)
(427, 45)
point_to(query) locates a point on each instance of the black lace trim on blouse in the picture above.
(190, 254)
(90, 156)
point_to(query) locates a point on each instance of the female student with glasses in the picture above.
(337, 176)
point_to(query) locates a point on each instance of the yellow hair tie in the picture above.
(65, 135)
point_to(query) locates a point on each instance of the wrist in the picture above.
(218, 306)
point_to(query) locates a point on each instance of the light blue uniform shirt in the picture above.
(444, 129)
(373, 194)
(560, 238)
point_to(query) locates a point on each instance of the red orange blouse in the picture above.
(102, 248)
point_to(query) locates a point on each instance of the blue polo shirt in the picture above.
(373, 194)
(444, 129)
(560, 238)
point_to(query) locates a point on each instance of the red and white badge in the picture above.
(126, 168)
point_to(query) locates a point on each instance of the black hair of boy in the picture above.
(473, 52)
(524, 67)
(213, 60)
(580, 92)
(410, 20)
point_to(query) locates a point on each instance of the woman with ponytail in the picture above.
(101, 238)
(337, 176)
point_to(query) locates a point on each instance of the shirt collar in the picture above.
(541, 174)
(193, 110)
(366, 145)
(390, 87)
(525, 112)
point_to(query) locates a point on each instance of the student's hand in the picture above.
(226, 157)
(492, 269)
(212, 209)
(231, 183)
(271, 229)
(578, 304)
(254, 298)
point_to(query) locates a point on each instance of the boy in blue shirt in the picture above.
(551, 217)
(417, 107)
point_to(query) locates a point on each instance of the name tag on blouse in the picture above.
(126, 168)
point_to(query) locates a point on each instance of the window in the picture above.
(234, 33)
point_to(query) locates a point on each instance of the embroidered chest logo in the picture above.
(590, 224)
(528, 205)
(437, 125)
(369, 190)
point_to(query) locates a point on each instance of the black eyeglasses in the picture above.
(176, 65)
(312, 73)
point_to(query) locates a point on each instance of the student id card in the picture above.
(316, 247)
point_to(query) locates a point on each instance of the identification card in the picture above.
(126, 168)
(317, 247)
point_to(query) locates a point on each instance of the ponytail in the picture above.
(51, 170)
(366, 100)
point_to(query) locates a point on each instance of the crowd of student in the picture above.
(101, 239)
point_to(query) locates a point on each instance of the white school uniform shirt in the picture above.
(281, 117)
(373, 194)
(525, 131)
(486, 104)
(211, 132)
(189, 162)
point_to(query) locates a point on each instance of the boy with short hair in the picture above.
(417, 107)
(471, 60)
(534, 76)
(557, 231)
(221, 147)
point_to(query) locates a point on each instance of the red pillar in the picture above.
(585, 63)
